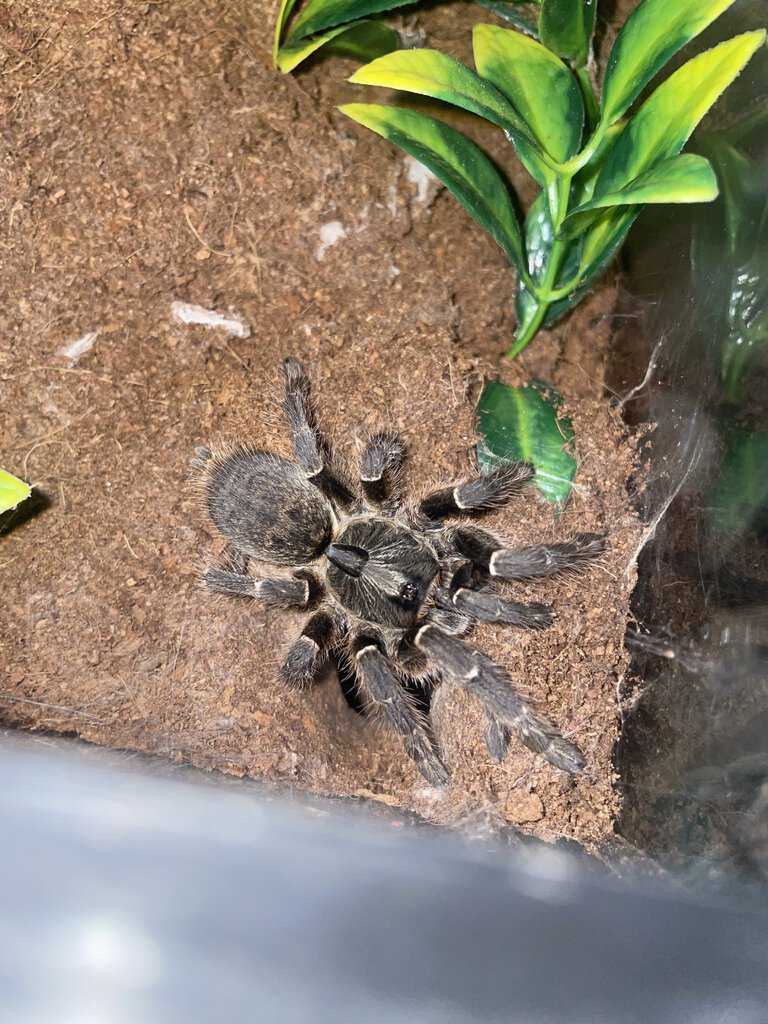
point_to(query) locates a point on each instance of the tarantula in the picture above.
(392, 586)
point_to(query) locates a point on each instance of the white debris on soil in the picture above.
(188, 313)
(362, 219)
(430, 794)
(330, 234)
(426, 182)
(392, 200)
(75, 349)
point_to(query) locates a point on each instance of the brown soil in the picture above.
(151, 154)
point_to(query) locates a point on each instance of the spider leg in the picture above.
(305, 654)
(487, 681)
(383, 693)
(310, 448)
(380, 470)
(478, 494)
(496, 736)
(487, 607)
(280, 592)
(490, 555)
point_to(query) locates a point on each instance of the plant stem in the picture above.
(574, 165)
(565, 290)
(558, 196)
(542, 294)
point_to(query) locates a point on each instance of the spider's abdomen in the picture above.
(265, 507)
(381, 572)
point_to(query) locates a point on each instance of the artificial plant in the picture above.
(729, 264)
(12, 491)
(596, 160)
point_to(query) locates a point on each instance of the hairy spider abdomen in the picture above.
(381, 571)
(265, 507)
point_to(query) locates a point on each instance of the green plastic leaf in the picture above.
(729, 257)
(457, 162)
(654, 31)
(740, 498)
(434, 74)
(574, 267)
(537, 84)
(603, 239)
(12, 491)
(539, 240)
(286, 6)
(508, 10)
(366, 41)
(361, 40)
(663, 124)
(742, 186)
(746, 333)
(660, 129)
(566, 27)
(319, 15)
(583, 184)
(679, 179)
(524, 424)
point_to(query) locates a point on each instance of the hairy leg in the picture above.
(279, 592)
(487, 607)
(380, 470)
(487, 681)
(309, 446)
(496, 736)
(384, 695)
(479, 494)
(477, 601)
(305, 654)
(492, 556)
